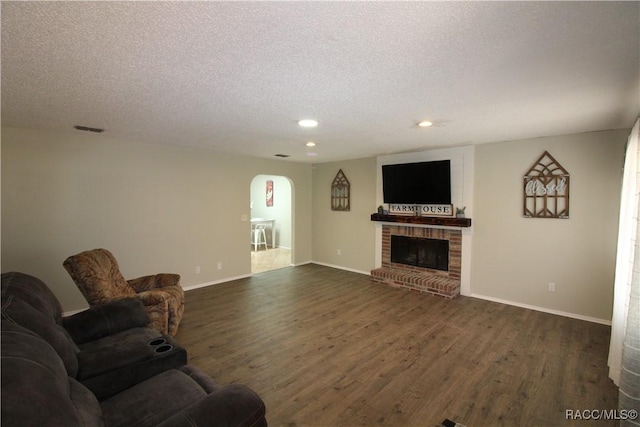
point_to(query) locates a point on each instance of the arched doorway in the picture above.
(271, 205)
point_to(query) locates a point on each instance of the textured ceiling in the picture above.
(236, 76)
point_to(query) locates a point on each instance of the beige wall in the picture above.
(161, 208)
(157, 208)
(515, 258)
(351, 232)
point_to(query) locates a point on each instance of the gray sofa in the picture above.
(103, 367)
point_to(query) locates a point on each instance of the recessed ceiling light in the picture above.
(425, 124)
(308, 123)
(310, 144)
(312, 154)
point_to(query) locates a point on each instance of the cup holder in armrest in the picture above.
(163, 348)
(160, 345)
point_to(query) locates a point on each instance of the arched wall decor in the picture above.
(546, 189)
(340, 193)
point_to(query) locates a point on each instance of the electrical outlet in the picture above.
(197, 269)
(219, 266)
(552, 287)
(339, 251)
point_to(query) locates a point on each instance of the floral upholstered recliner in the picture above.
(97, 275)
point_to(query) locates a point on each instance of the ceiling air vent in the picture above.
(88, 129)
(282, 155)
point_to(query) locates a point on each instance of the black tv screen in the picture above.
(417, 183)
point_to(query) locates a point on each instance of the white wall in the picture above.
(515, 258)
(281, 209)
(462, 172)
(461, 159)
(157, 208)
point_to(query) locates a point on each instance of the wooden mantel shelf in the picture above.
(423, 220)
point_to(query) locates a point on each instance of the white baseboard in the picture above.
(544, 310)
(339, 267)
(215, 282)
(302, 263)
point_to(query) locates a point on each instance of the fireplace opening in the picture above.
(420, 252)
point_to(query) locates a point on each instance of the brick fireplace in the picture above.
(430, 280)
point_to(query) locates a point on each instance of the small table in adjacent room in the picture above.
(271, 223)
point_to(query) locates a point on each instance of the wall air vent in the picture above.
(89, 129)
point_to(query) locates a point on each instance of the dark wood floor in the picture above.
(325, 347)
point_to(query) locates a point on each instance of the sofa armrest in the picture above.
(156, 304)
(107, 319)
(232, 405)
(154, 298)
(147, 283)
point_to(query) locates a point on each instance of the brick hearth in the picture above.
(443, 283)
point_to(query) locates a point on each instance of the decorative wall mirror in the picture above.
(340, 193)
(546, 189)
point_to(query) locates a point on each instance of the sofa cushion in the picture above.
(18, 311)
(36, 388)
(88, 410)
(203, 380)
(34, 292)
(231, 405)
(152, 401)
(176, 398)
(27, 301)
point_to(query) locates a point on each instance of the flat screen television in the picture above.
(421, 183)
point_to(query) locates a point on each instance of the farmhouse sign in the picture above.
(546, 189)
(420, 210)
